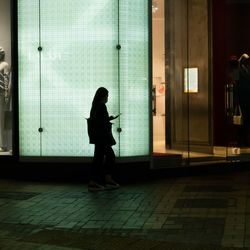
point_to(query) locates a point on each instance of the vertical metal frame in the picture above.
(14, 57)
(210, 68)
(168, 128)
(150, 80)
(188, 94)
(119, 74)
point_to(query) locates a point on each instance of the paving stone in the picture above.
(17, 195)
(201, 203)
(172, 226)
(191, 210)
(208, 188)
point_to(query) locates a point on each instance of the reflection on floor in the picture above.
(218, 155)
(159, 147)
(231, 151)
(6, 153)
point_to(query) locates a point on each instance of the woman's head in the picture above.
(233, 62)
(2, 54)
(101, 96)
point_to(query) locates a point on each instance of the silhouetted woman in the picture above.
(104, 157)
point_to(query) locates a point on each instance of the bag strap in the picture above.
(237, 110)
(240, 110)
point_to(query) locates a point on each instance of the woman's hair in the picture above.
(100, 94)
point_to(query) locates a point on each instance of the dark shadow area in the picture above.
(125, 172)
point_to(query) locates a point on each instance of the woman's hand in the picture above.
(113, 117)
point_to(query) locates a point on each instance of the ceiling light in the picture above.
(154, 6)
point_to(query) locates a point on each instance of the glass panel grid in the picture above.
(28, 75)
(79, 55)
(134, 90)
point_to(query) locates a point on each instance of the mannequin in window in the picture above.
(243, 97)
(4, 97)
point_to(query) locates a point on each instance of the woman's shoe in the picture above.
(95, 187)
(111, 185)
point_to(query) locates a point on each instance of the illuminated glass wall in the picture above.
(29, 77)
(67, 49)
(134, 77)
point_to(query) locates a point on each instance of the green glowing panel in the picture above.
(79, 40)
(134, 90)
(79, 55)
(28, 59)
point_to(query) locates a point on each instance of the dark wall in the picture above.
(231, 35)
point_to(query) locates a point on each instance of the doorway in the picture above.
(181, 94)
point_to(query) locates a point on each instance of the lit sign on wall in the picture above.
(191, 80)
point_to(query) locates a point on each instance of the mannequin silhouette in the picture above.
(4, 97)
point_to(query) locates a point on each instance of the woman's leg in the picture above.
(110, 168)
(109, 160)
(95, 171)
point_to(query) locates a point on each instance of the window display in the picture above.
(5, 79)
(4, 98)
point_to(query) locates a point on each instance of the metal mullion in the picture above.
(188, 94)
(150, 82)
(15, 91)
(40, 75)
(119, 75)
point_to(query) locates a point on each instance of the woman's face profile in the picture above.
(105, 100)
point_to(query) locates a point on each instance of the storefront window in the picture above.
(231, 78)
(66, 50)
(182, 52)
(5, 79)
(201, 80)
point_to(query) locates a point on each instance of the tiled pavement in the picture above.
(205, 212)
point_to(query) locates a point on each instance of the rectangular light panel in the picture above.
(79, 40)
(28, 75)
(134, 85)
(191, 80)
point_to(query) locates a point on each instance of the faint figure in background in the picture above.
(4, 97)
(232, 85)
(243, 92)
(232, 105)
